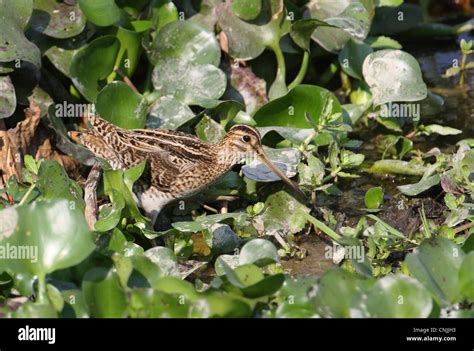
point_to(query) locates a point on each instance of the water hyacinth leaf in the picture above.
(60, 241)
(7, 97)
(165, 259)
(267, 286)
(247, 40)
(57, 20)
(209, 130)
(109, 215)
(397, 167)
(295, 135)
(352, 56)
(92, 64)
(187, 41)
(260, 252)
(394, 75)
(289, 110)
(396, 296)
(351, 19)
(102, 13)
(374, 197)
(286, 159)
(302, 30)
(15, 46)
(441, 130)
(104, 296)
(162, 13)
(424, 184)
(335, 291)
(205, 222)
(436, 264)
(60, 58)
(230, 260)
(382, 42)
(131, 46)
(190, 83)
(19, 10)
(466, 277)
(54, 183)
(168, 113)
(247, 9)
(120, 105)
(282, 214)
(74, 304)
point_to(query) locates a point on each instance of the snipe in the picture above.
(180, 164)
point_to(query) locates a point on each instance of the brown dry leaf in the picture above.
(200, 246)
(14, 142)
(224, 42)
(252, 88)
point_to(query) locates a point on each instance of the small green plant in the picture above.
(466, 50)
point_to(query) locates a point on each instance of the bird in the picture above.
(180, 164)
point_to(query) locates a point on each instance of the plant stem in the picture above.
(463, 227)
(126, 80)
(463, 67)
(302, 72)
(25, 197)
(41, 288)
(281, 72)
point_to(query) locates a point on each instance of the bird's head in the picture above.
(246, 142)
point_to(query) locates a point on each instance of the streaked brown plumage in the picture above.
(180, 164)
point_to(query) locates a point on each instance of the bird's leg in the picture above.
(90, 195)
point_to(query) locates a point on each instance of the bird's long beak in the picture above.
(263, 158)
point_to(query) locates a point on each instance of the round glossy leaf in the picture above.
(436, 263)
(190, 83)
(165, 259)
(103, 293)
(394, 75)
(247, 9)
(289, 110)
(258, 251)
(466, 277)
(396, 296)
(187, 41)
(7, 97)
(267, 286)
(162, 13)
(18, 10)
(131, 46)
(302, 30)
(55, 232)
(100, 12)
(60, 58)
(168, 113)
(57, 20)
(92, 64)
(120, 105)
(352, 56)
(335, 291)
(172, 285)
(14, 45)
(225, 306)
(248, 274)
(374, 198)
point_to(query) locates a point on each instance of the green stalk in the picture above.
(279, 82)
(302, 72)
(41, 288)
(27, 194)
(463, 67)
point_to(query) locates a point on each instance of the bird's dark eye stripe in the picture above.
(246, 138)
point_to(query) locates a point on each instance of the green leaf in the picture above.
(120, 105)
(103, 293)
(424, 184)
(374, 197)
(14, 45)
(289, 110)
(302, 30)
(209, 130)
(282, 214)
(54, 296)
(165, 259)
(110, 214)
(394, 75)
(168, 113)
(260, 252)
(397, 167)
(101, 12)
(395, 296)
(56, 232)
(92, 64)
(190, 83)
(436, 264)
(162, 13)
(334, 293)
(54, 183)
(466, 277)
(352, 56)
(7, 97)
(441, 130)
(382, 42)
(18, 10)
(57, 20)
(130, 46)
(247, 9)
(247, 40)
(187, 41)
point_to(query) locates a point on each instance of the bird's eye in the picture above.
(246, 138)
